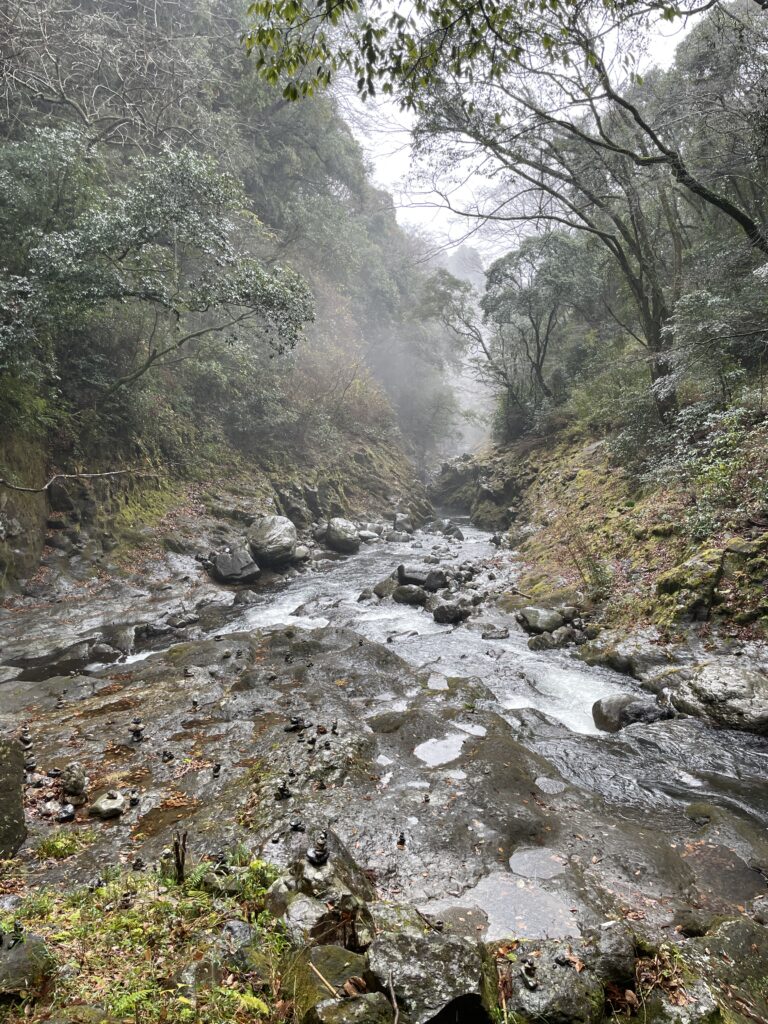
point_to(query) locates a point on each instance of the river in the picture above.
(481, 755)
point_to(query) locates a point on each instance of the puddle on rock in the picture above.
(471, 728)
(440, 751)
(514, 908)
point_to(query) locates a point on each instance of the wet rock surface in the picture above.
(457, 774)
(273, 540)
(343, 536)
(433, 974)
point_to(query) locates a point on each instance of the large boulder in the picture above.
(422, 576)
(688, 590)
(235, 566)
(12, 828)
(448, 528)
(344, 920)
(614, 713)
(295, 507)
(402, 523)
(733, 959)
(732, 695)
(434, 974)
(370, 1008)
(338, 967)
(342, 536)
(273, 540)
(385, 587)
(450, 612)
(540, 620)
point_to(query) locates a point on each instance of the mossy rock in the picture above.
(336, 964)
(371, 1008)
(689, 589)
(733, 960)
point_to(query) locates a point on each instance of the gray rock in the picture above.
(540, 620)
(368, 536)
(302, 553)
(732, 695)
(235, 566)
(108, 805)
(345, 921)
(450, 612)
(408, 593)
(385, 587)
(412, 574)
(273, 540)
(335, 963)
(564, 635)
(614, 713)
(607, 711)
(612, 955)
(422, 576)
(396, 537)
(13, 831)
(495, 633)
(24, 964)
(542, 642)
(402, 523)
(448, 528)
(569, 612)
(545, 985)
(733, 957)
(377, 528)
(430, 973)
(342, 536)
(339, 874)
(74, 780)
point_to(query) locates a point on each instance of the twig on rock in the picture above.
(393, 997)
(325, 981)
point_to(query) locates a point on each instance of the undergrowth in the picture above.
(141, 948)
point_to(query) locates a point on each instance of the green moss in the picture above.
(147, 506)
(64, 843)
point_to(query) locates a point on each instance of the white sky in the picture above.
(383, 131)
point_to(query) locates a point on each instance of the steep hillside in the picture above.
(693, 550)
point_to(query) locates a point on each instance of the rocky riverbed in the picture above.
(477, 844)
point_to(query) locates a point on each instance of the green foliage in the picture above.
(305, 43)
(117, 948)
(158, 294)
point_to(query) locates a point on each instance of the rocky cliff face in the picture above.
(22, 515)
(86, 518)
